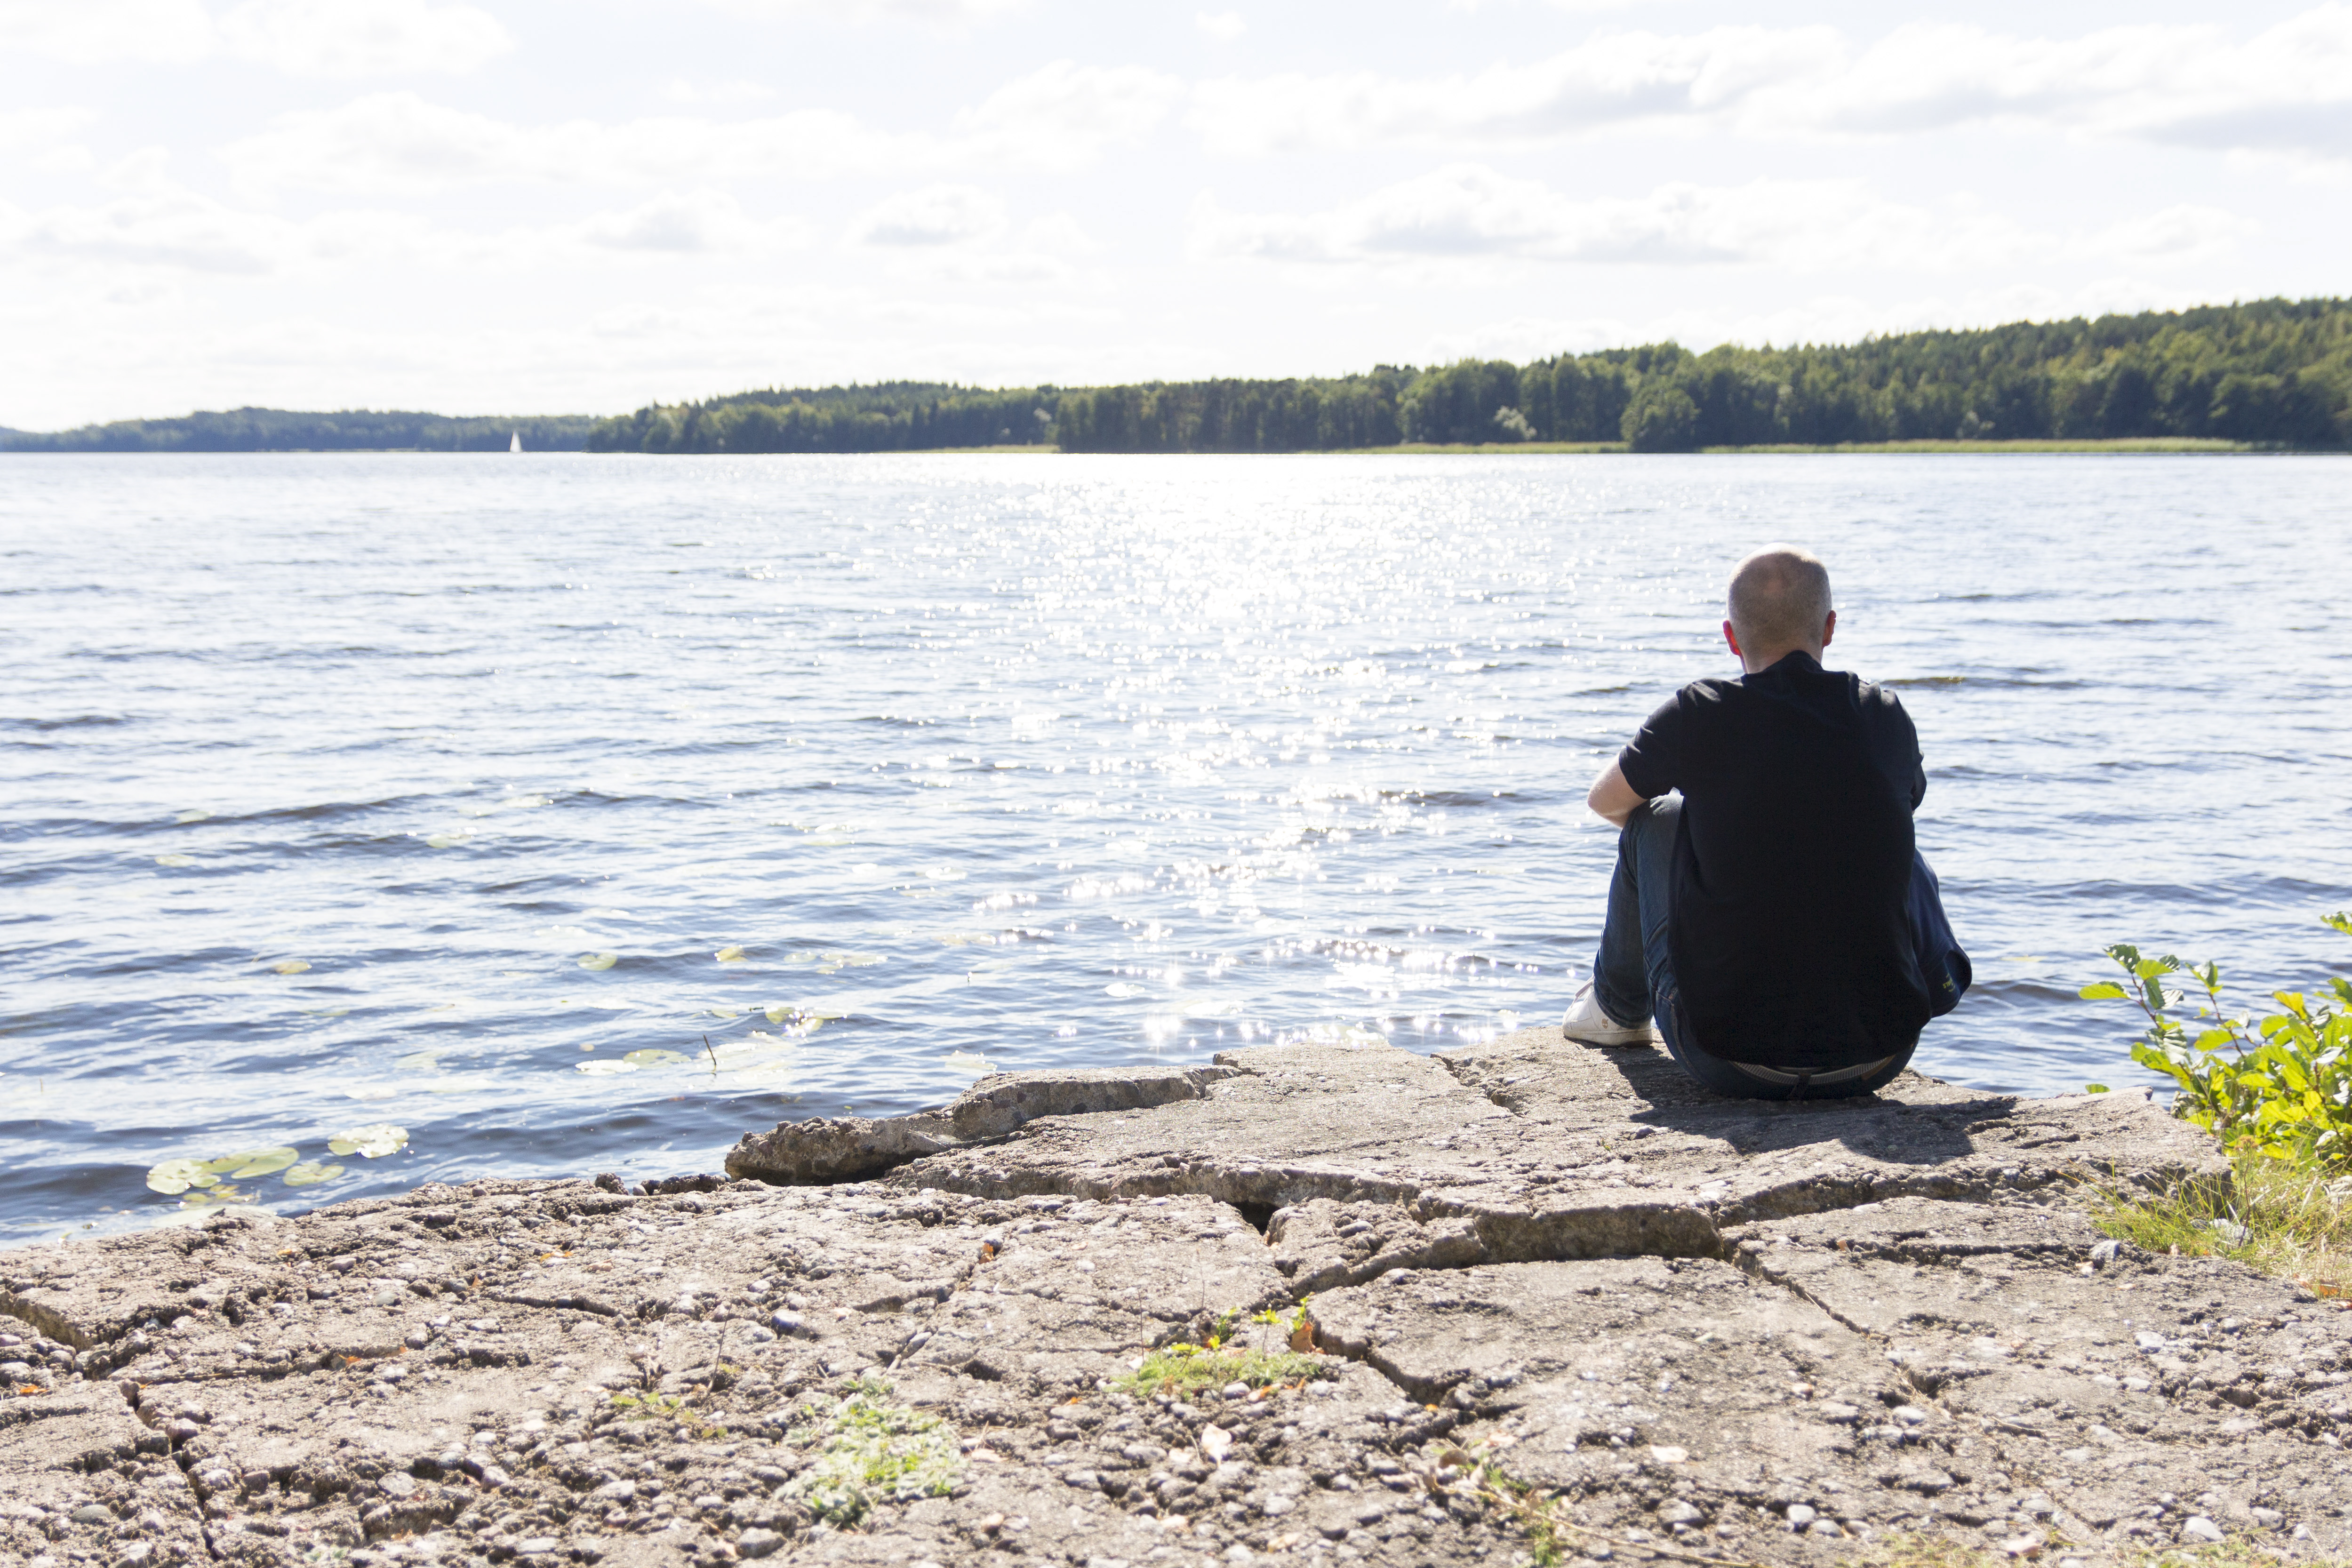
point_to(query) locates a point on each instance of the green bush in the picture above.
(2279, 1088)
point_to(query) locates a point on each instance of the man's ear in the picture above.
(1731, 639)
(1829, 628)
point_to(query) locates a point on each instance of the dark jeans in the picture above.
(1634, 973)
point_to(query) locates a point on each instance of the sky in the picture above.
(524, 206)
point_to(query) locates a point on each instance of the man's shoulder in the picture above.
(1711, 688)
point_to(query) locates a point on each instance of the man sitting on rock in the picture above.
(1770, 911)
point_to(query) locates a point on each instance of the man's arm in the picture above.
(1611, 797)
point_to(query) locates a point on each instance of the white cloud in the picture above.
(1060, 118)
(175, 230)
(684, 223)
(936, 13)
(1062, 115)
(301, 38)
(362, 37)
(2181, 235)
(951, 235)
(159, 226)
(1469, 214)
(397, 142)
(937, 215)
(680, 90)
(39, 139)
(2287, 89)
(1611, 80)
(1223, 26)
(99, 32)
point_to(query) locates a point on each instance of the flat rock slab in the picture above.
(843, 1149)
(1532, 1149)
(1915, 1364)
(1712, 1327)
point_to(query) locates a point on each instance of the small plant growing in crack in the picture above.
(1184, 1370)
(870, 1450)
(664, 1408)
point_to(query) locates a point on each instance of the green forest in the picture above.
(2271, 373)
(887, 416)
(2274, 372)
(278, 430)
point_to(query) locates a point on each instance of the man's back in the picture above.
(1792, 863)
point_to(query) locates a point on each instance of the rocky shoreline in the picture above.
(1521, 1301)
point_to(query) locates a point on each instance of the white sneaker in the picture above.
(1587, 1025)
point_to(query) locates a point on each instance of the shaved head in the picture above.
(1780, 602)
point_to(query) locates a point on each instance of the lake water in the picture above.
(426, 790)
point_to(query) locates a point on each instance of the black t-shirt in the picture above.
(1789, 940)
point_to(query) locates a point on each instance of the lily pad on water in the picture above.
(375, 1140)
(726, 1012)
(964, 1061)
(193, 813)
(252, 1163)
(215, 1197)
(310, 1172)
(179, 1176)
(446, 840)
(730, 953)
(656, 1058)
(605, 1068)
(598, 960)
(175, 859)
(292, 966)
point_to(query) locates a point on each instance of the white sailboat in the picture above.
(515, 445)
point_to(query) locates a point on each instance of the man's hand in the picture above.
(1612, 798)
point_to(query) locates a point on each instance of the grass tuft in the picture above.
(2296, 1224)
(1187, 1370)
(2237, 1551)
(870, 1450)
(663, 1407)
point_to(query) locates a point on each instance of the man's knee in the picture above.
(1652, 823)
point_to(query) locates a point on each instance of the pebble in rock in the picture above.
(2200, 1528)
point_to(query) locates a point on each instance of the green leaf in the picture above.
(2102, 991)
(2096, 1089)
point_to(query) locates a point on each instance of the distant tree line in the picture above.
(2273, 371)
(886, 416)
(278, 430)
